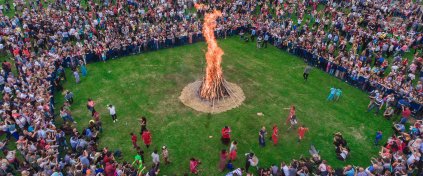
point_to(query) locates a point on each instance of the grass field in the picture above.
(149, 84)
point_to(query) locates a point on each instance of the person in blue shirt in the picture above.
(253, 34)
(349, 171)
(331, 94)
(378, 137)
(338, 94)
(266, 39)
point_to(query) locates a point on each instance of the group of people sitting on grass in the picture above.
(351, 39)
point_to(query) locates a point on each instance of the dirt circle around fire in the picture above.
(189, 97)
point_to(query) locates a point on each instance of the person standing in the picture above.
(156, 159)
(223, 158)
(83, 69)
(248, 161)
(134, 140)
(378, 137)
(76, 75)
(69, 96)
(275, 135)
(226, 135)
(331, 94)
(301, 131)
(406, 113)
(307, 70)
(338, 94)
(143, 124)
(233, 151)
(165, 154)
(377, 103)
(146, 137)
(253, 34)
(112, 111)
(291, 114)
(265, 40)
(90, 106)
(262, 135)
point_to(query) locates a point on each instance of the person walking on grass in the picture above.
(331, 94)
(90, 106)
(165, 154)
(301, 132)
(275, 135)
(69, 96)
(134, 140)
(307, 70)
(338, 94)
(223, 160)
(226, 135)
(378, 137)
(262, 137)
(76, 75)
(146, 138)
(291, 114)
(156, 159)
(143, 124)
(233, 151)
(376, 104)
(112, 111)
(83, 68)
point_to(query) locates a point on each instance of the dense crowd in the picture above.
(350, 39)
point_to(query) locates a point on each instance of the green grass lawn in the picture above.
(150, 84)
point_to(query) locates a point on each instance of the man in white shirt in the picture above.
(112, 112)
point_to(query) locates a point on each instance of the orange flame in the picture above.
(214, 73)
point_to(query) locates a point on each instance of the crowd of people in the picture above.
(350, 39)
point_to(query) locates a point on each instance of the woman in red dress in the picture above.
(146, 137)
(275, 134)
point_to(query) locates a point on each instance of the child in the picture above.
(165, 154)
(301, 131)
(134, 140)
(146, 137)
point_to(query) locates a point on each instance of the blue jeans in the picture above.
(262, 142)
